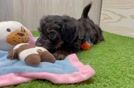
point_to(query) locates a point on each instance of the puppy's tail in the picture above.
(86, 11)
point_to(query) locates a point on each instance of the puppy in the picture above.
(63, 35)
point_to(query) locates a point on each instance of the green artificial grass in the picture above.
(113, 61)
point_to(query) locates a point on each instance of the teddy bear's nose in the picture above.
(20, 34)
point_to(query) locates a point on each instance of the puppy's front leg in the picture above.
(60, 55)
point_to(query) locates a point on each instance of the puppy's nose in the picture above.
(20, 34)
(38, 44)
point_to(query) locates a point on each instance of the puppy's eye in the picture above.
(8, 30)
(52, 35)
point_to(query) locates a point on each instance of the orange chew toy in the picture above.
(85, 45)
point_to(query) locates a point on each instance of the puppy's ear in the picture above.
(69, 32)
(12, 54)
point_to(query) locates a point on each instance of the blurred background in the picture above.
(118, 17)
(29, 12)
(115, 16)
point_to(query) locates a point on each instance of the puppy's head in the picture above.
(56, 31)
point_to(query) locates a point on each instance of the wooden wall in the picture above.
(29, 12)
(6, 10)
(118, 17)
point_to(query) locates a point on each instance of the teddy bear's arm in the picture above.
(46, 56)
(12, 54)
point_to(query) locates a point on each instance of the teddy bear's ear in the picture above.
(12, 54)
(23, 29)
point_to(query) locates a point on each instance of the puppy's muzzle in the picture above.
(46, 45)
(39, 44)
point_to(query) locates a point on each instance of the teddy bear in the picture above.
(12, 33)
(30, 54)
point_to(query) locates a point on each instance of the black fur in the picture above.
(62, 35)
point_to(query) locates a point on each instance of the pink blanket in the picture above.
(84, 72)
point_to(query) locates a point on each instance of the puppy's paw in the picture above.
(59, 56)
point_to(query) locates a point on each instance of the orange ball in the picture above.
(85, 45)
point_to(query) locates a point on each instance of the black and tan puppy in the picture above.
(62, 35)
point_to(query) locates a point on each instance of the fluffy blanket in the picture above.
(69, 70)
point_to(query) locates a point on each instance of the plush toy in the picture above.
(12, 33)
(30, 54)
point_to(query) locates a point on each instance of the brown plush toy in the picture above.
(30, 54)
